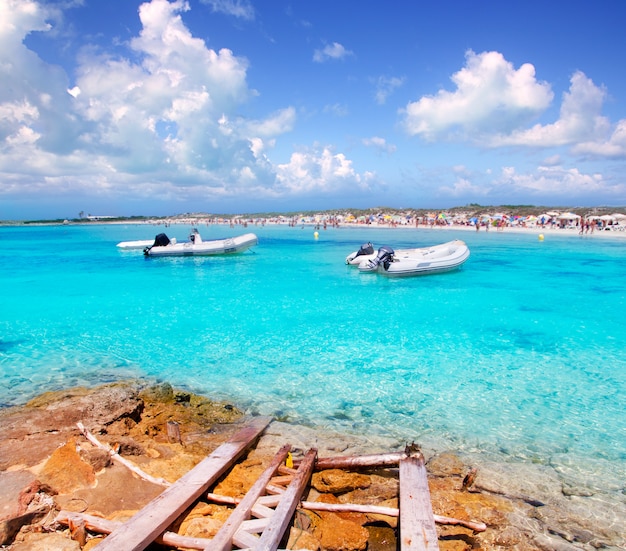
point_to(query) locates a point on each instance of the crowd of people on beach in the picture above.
(584, 224)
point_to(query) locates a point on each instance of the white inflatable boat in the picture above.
(429, 260)
(162, 246)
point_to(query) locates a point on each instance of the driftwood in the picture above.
(173, 432)
(151, 521)
(388, 511)
(275, 509)
(105, 526)
(119, 459)
(351, 508)
(417, 522)
(357, 461)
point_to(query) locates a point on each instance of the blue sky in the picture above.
(235, 106)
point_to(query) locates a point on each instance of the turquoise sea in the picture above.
(520, 355)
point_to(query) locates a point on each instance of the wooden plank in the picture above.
(283, 480)
(223, 539)
(272, 501)
(270, 539)
(268, 501)
(357, 461)
(417, 523)
(104, 526)
(245, 540)
(262, 511)
(254, 525)
(144, 527)
(388, 511)
(276, 490)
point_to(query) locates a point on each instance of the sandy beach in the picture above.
(322, 222)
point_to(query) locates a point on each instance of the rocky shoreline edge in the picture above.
(47, 465)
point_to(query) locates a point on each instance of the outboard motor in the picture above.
(384, 257)
(366, 248)
(161, 240)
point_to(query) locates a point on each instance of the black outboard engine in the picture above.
(366, 248)
(161, 240)
(384, 257)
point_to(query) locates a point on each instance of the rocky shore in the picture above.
(47, 465)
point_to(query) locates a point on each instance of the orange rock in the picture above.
(66, 472)
(204, 520)
(337, 534)
(335, 481)
(300, 539)
(242, 476)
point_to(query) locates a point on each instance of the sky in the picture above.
(157, 108)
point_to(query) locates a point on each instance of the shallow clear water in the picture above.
(518, 354)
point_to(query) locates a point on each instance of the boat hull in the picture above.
(134, 245)
(231, 245)
(430, 260)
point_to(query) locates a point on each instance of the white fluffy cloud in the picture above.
(494, 102)
(579, 119)
(490, 95)
(319, 170)
(546, 179)
(544, 185)
(36, 103)
(166, 114)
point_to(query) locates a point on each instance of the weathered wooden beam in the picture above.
(417, 523)
(151, 521)
(273, 533)
(105, 526)
(272, 500)
(224, 537)
(389, 511)
(391, 459)
(173, 432)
